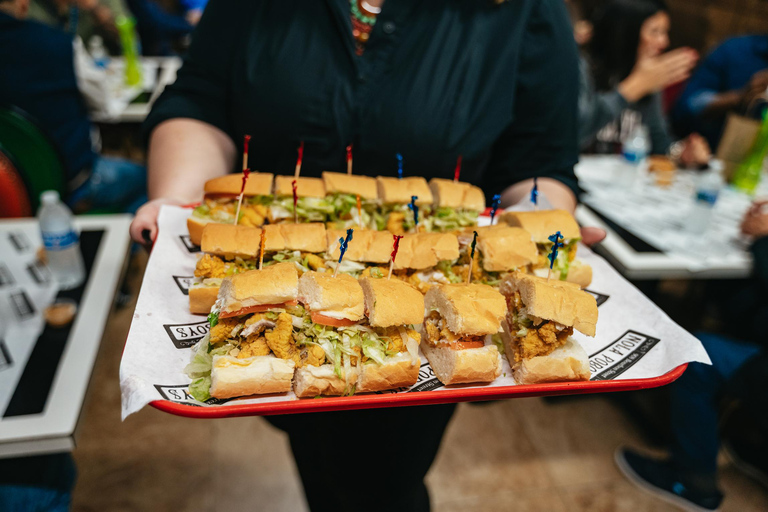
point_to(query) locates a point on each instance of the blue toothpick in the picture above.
(495, 206)
(535, 194)
(399, 165)
(415, 210)
(344, 243)
(556, 245)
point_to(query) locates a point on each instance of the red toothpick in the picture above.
(395, 247)
(261, 247)
(457, 171)
(245, 152)
(298, 160)
(349, 159)
(295, 202)
(359, 212)
(246, 173)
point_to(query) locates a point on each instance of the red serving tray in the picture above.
(442, 396)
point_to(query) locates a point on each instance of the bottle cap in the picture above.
(49, 197)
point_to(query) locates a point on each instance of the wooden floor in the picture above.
(515, 455)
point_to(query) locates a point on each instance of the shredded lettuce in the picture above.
(449, 219)
(496, 339)
(213, 318)
(345, 212)
(308, 209)
(199, 369)
(446, 267)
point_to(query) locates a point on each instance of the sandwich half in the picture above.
(220, 202)
(342, 191)
(460, 320)
(427, 259)
(541, 318)
(368, 253)
(394, 197)
(311, 204)
(393, 309)
(456, 205)
(500, 249)
(543, 224)
(250, 348)
(230, 250)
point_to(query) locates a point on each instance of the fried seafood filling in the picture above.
(533, 336)
(438, 335)
(210, 267)
(222, 209)
(262, 334)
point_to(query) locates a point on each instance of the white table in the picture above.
(157, 73)
(660, 218)
(53, 430)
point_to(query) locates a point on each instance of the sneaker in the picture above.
(749, 461)
(658, 478)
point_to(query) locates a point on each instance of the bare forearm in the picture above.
(722, 103)
(557, 193)
(183, 155)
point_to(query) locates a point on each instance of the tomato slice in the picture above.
(256, 309)
(463, 345)
(331, 322)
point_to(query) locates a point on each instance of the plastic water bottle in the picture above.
(708, 188)
(635, 151)
(98, 52)
(62, 244)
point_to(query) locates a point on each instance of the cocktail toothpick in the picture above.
(295, 202)
(535, 194)
(343, 245)
(246, 173)
(457, 170)
(349, 159)
(395, 247)
(415, 210)
(472, 257)
(556, 245)
(359, 211)
(262, 244)
(299, 158)
(399, 166)
(495, 206)
(247, 139)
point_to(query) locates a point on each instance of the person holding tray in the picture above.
(493, 82)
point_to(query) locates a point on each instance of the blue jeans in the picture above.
(115, 184)
(695, 403)
(22, 498)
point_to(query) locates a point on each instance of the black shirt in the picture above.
(497, 84)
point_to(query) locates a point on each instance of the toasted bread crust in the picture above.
(311, 381)
(425, 250)
(306, 237)
(448, 193)
(230, 241)
(506, 248)
(258, 184)
(567, 363)
(367, 246)
(558, 301)
(336, 297)
(396, 372)
(464, 366)
(338, 183)
(305, 187)
(399, 191)
(544, 223)
(391, 302)
(202, 299)
(468, 309)
(231, 377)
(580, 273)
(275, 284)
(195, 227)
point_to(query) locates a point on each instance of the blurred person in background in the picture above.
(159, 29)
(728, 80)
(389, 77)
(84, 18)
(738, 374)
(626, 68)
(38, 75)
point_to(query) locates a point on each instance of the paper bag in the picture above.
(737, 140)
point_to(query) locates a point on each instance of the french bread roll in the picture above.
(391, 302)
(311, 381)
(567, 363)
(464, 366)
(579, 273)
(506, 248)
(305, 237)
(447, 193)
(468, 309)
(202, 298)
(544, 223)
(424, 250)
(399, 191)
(230, 241)
(367, 246)
(305, 187)
(336, 297)
(398, 371)
(258, 184)
(195, 226)
(339, 183)
(275, 284)
(232, 377)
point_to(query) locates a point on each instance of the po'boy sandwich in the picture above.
(426, 259)
(394, 197)
(231, 250)
(367, 255)
(220, 202)
(461, 319)
(456, 205)
(342, 191)
(250, 348)
(543, 224)
(311, 204)
(541, 318)
(500, 249)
